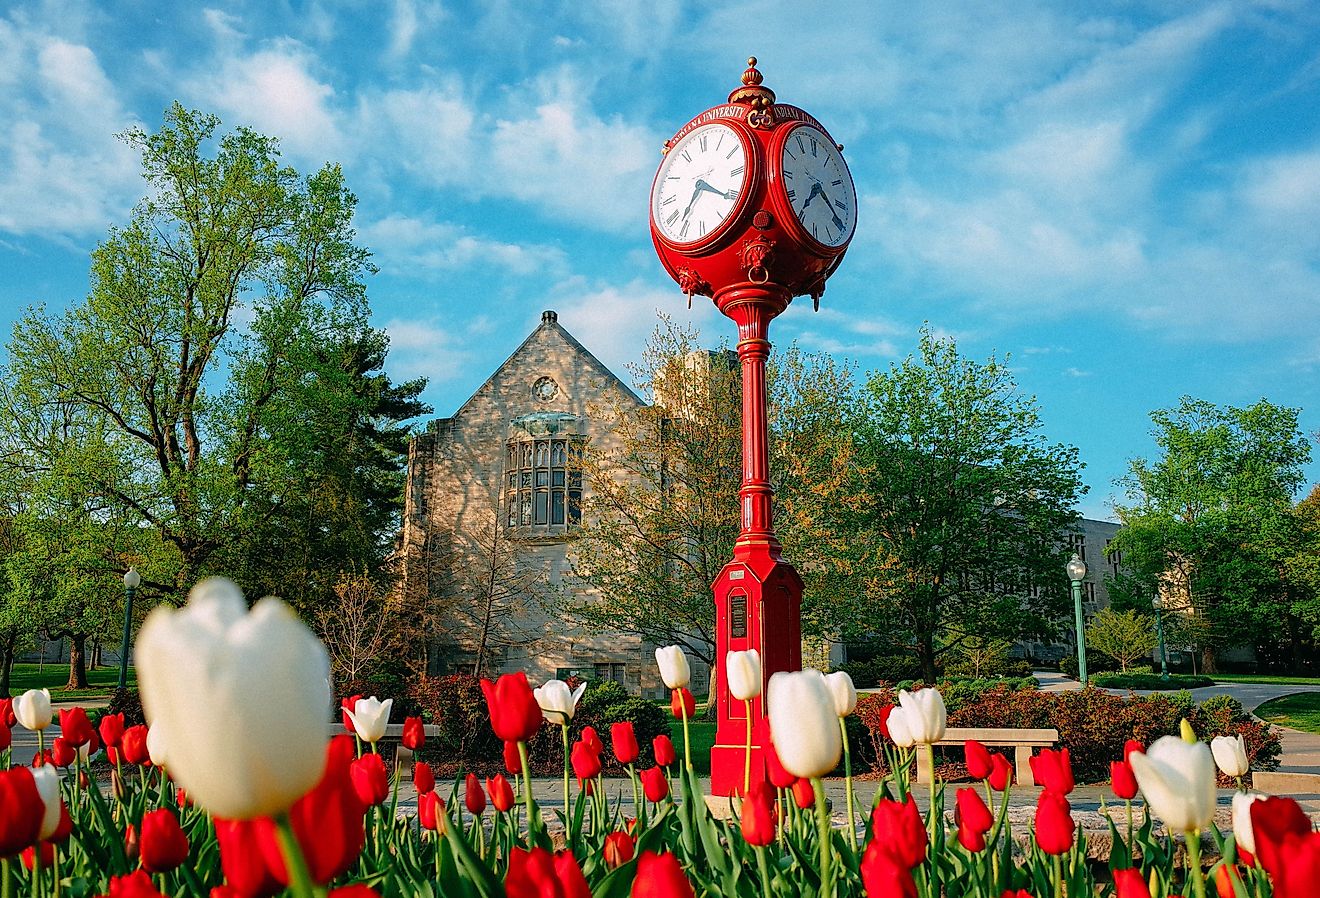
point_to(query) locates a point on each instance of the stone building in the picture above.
(1091, 543)
(494, 494)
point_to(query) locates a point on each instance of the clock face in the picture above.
(818, 186)
(699, 188)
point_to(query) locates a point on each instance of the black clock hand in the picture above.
(815, 192)
(838, 222)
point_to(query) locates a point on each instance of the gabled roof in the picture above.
(550, 322)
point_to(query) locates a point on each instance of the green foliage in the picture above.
(1149, 680)
(959, 506)
(882, 669)
(1124, 636)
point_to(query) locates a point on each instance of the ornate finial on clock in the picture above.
(752, 92)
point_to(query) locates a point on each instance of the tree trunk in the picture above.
(1208, 665)
(926, 655)
(7, 660)
(77, 662)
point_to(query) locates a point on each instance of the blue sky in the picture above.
(1124, 197)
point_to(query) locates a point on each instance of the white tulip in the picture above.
(803, 724)
(32, 709)
(1178, 780)
(674, 669)
(558, 703)
(370, 717)
(924, 713)
(48, 787)
(242, 699)
(844, 692)
(156, 746)
(743, 671)
(1230, 754)
(899, 731)
(1243, 832)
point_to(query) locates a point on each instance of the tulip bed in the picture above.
(193, 808)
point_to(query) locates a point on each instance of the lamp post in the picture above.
(1159, 628)
(131, 581)
(1077, 573)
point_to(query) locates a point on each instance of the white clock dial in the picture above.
(699, 184)
(818, 186)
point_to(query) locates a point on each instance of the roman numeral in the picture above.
(791, 194)
(732, 194)
(788, 176)
(673, 217)
(684, 230)
(836, 183)
(801, 148)
(813, 229)
(813, 146)
(701, 228)
(702, 140)
(736, 172)
(729, 155)
(687, 157)
(720, 141)
(667, 200)
(840, 204)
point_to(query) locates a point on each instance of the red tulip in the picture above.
(75, 727)
(134, 745)
(501, 793)
(539, 874)
(93, 744)
(23, 811)
(1273, 822)
(132, 843)
(349, 704)
(660, 876)
(758, 814)
(619, 849)
(1020, 893)
(663, 747)
(1053, 770)
(512, 760)
(589, 736)
(62, 752)
(1122, 781)
(884, 720)
(327, 820)
(1130, 883)
(1225, 877)
(655, 784)
(901, 830)
(6, 737)
(1001, 773)
(885, 876)
(423, 778)
(47, 855)
(242, 860)
(429, 812)
(64, 828)
(585, 761)
(162, 844)
(135, 885)
(624, 742)
(979, 765)
(1130, 746)
(356, 890)
(473, 797)
(681, 702)
(803, 795)
(570, 876)
(779, 777)
(515, 715)
(974, 820)
(1054, 823)
(111, 728)
(7, 716)
(370, 779)
(414, 733)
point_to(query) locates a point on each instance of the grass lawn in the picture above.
(702, 733)
(1301, 711)
(1280, 679)
(102, 681)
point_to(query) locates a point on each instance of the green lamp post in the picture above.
(132, 580)
(1077, 573)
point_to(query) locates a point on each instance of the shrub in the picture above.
(456, 704)
(1096, 662)
(128, 703)
(882, 669)
(1149, 680)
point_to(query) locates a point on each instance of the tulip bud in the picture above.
(619, 849)
(663, 748)
(1188, 734)
(370, 779)
(7, 717)
(557, 701)
(674, 668)
(655, 784)
(370, 718)
(1226, 880)
(900, 829)
(473, 797)
(156, 746)
(423, 777)
(430, 814)
(1129, 883)
(512, 759)
(111, 729)
(883, 874)
(1122, 780)
(585, 761)
(1053, 770)
(501, 793)
(743, 671)
(779, 777)
(845, 694)
(979, 765)
(47, 852)
(75, 727)
(1230, 753)
(661, 875)
(62, 753)
(803, 723)
(624, 741)
(162, 843)
(133, 745)
(803, 795)
(414, 734)
(1054, 823)
(1178, 780)
(682, 704)
(32, 709)
(514, 714)
(24, 810)
(260, 677)
(924, 714)
(1243, 833)
(590, 737)
(1001, 773)
(899, 731)
(345, 706)
(757, 820)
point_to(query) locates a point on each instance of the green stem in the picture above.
(764, 868)
(563, 728)
(747, 758)
(6, 879)
(826, 850)
(527, 788)
(687, 743)
(930, 760)
(638, 810)
(300, 878)
(1058, 876)
(847, 779)
(1194, 862)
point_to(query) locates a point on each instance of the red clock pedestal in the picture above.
(757, 595)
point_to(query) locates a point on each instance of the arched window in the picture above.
(543, 483)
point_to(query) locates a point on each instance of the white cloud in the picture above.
(426, 348)
(406, 244)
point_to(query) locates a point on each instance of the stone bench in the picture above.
(1022, 740)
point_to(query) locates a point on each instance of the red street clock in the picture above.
(752, 205)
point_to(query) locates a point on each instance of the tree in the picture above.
(358, 627)
(1124, 636)
(959, 505)
(1210, 522)
(211, 329)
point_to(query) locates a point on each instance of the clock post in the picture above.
(752, 205)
